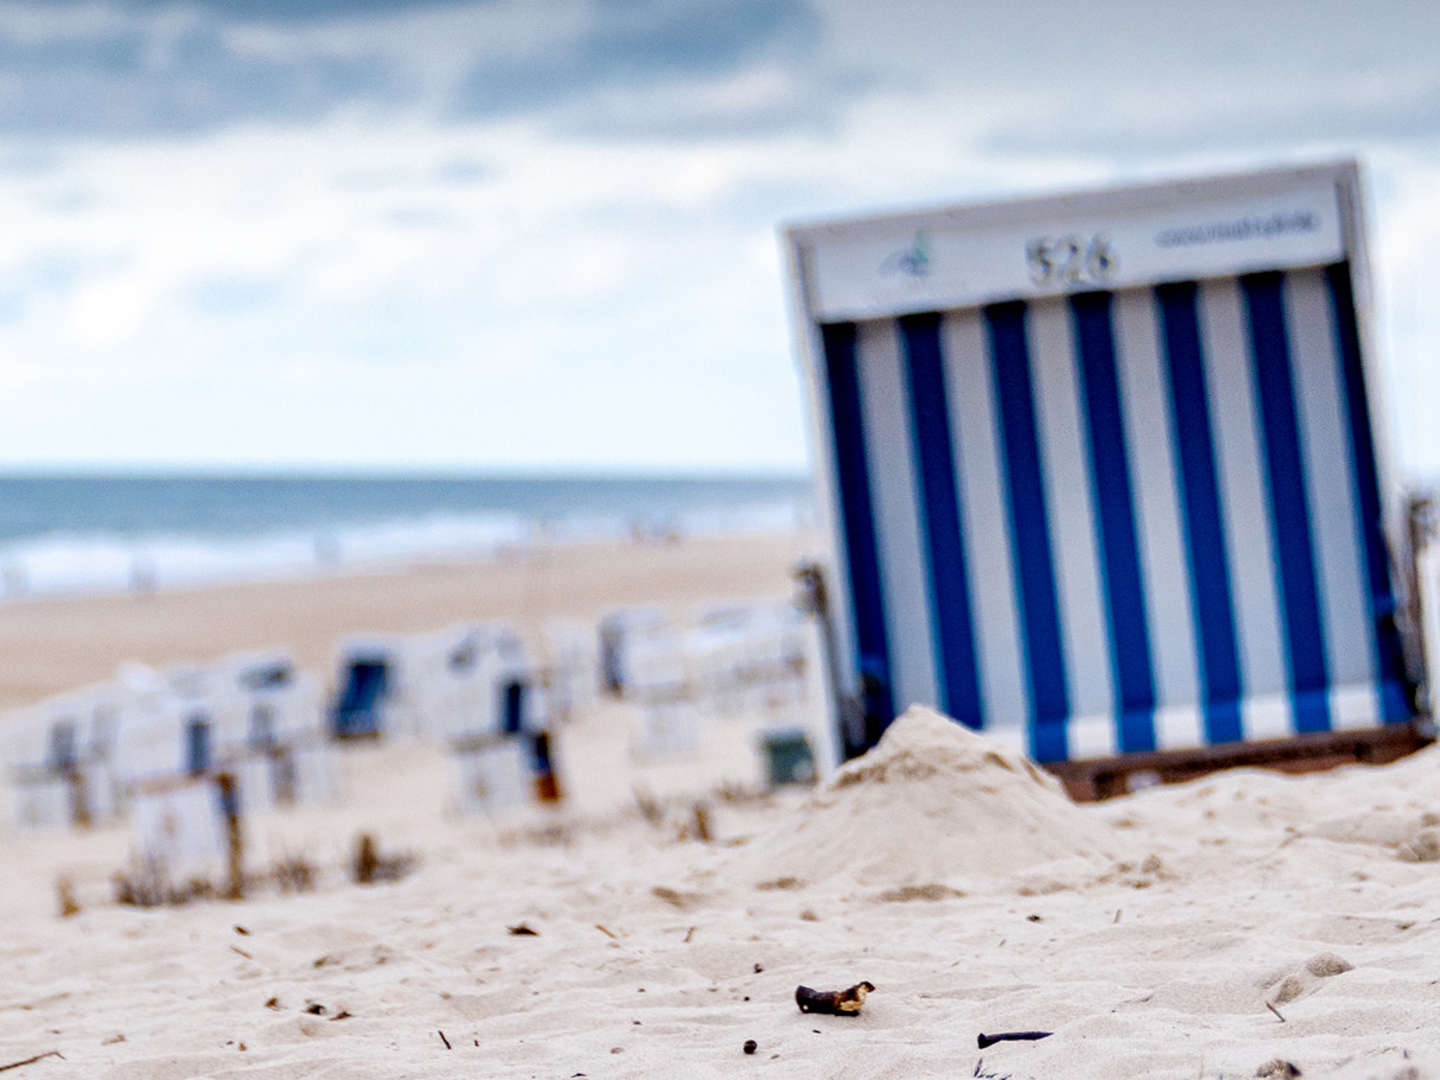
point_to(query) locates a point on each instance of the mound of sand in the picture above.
(933, 802)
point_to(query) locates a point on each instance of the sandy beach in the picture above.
(1247, 924)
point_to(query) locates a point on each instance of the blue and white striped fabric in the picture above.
(1115, 522)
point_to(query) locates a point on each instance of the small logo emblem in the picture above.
(913, 261)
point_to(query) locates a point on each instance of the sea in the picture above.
(113, 532)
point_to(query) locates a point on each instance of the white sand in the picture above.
(1147, 933)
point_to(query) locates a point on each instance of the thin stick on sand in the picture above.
(985, 1041)
(33, 1060)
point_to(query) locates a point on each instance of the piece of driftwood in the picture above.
(833, 1002)
(1011, 1036)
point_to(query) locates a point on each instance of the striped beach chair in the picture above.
(1104, 472)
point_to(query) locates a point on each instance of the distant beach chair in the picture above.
(491, 684)
(570, 666)
(59, 757)
(415, 685)
(789, 758)
(274, 738)
(250, 715)
(200, 749)
(181, 828)
(40, 795)
(661, 682)
(617, 630)
(367, 688)
(500, 736)
(493, 773)
(81, 757)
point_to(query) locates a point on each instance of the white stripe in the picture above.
(1011, 738)
(1268, 716)
(1064, 453)
(1004, 691)
(1145, 405)
(1350, 648)
(1244, 506)
(1091, 736)
(897, 515)
(1355, 705)
(1179, 726)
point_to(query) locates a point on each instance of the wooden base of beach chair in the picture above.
(1103, 778)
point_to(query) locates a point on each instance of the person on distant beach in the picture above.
(143, 580)
(16, 582)
(327, 549)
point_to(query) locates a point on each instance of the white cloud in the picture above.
(596, 277)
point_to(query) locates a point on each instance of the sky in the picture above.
(498, 235)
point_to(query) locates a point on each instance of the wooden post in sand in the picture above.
(234, 837)
(79, 797)
(547, 786)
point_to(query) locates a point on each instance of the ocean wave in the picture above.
(69, 562)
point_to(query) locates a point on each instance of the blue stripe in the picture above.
(1111, 494)
(949, 593)
(1289, 509)
(1029, 530)
(1192, 436)
(862, 558)
(1365, 475)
